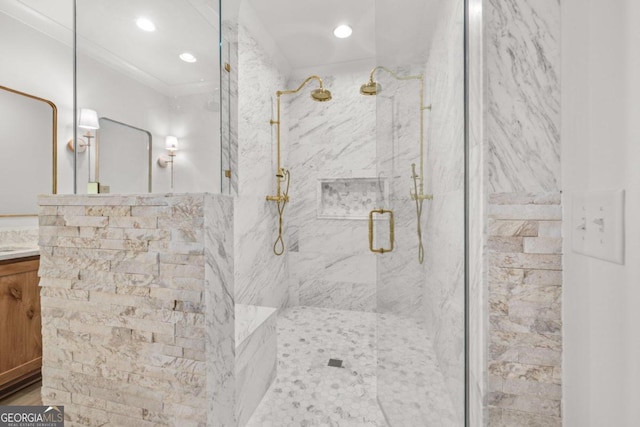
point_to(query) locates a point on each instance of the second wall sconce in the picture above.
(171, 144)
(87, 119)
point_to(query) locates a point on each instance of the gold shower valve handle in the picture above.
(420, 196)
(279, 199)
(391, 231)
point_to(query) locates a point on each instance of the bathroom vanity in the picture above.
(20, 320)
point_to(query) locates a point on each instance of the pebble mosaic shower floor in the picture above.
(308, 392)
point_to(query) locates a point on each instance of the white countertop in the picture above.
(13, 252)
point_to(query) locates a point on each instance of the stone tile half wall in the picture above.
(137, 309)
(525, 288)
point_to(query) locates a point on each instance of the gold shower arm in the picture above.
(395, 76)
(303, 84)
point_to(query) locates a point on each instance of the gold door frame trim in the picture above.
(54, 150)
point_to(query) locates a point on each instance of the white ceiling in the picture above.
(392, 32)
(383, 30)
(303, 29)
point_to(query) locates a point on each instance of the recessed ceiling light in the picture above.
(145, 24)
(342, 31)
(188, 57)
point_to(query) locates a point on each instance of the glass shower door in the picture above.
(420, 282)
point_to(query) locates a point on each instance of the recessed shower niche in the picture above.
(350, 198)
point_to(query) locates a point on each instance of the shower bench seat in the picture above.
(256, 357)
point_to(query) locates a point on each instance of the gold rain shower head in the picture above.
(321, 95)
(371, 88)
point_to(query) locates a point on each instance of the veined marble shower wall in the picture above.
(261, 277)
(330, 263)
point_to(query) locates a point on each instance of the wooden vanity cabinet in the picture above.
(20, 324)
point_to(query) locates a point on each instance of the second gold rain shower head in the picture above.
(370, 88)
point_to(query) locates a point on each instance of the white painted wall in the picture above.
(601, 150)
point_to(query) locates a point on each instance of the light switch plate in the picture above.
(598, 225)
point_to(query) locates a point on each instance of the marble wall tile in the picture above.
(260, 78)
(338, 295)
(345, 237)
(522, 63)
(256, 360)
(261, 276)
(220, 315)
(248, 319)
(334, 280)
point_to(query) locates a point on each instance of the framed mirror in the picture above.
(123, 157)
(28, 135)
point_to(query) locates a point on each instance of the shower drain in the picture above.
(335, 363)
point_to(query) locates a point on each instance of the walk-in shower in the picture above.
(369, 293)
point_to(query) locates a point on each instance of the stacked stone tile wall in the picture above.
(137, 309)
(525, 288)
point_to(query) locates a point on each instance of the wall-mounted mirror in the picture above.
(28, 139)
(152, 64)
(123, 157)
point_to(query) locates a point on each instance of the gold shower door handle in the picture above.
(391, 231)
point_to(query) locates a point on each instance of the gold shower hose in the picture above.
(419, 201)
(278, 245)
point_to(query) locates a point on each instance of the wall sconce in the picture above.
(87, 119)
(171, 144)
